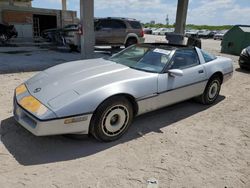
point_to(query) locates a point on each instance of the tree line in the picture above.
(190, 26)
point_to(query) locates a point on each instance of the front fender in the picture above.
(88, 102)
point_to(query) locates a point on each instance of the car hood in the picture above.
(77, 78)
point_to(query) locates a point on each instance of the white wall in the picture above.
(24, 30)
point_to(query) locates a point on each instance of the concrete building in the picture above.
(26, 19)
(30, 21)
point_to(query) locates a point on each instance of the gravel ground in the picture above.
(185, 145)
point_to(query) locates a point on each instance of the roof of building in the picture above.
(245, 28)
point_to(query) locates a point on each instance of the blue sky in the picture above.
(209, 12)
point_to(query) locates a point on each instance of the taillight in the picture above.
(80, 30)
(142, 33)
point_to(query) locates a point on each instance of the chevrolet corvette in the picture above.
(102, 96)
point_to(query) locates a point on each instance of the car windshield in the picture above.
(148, 59)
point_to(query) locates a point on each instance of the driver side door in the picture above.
(175, 88)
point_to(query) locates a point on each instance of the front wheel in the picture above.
(211, 92)
(112, 119)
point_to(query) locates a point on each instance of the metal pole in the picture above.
(63, 15)
(181, 16)
(87, 22)
(64, 5)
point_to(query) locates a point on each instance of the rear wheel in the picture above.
(211, 92)
(112, 119)
(130, 42)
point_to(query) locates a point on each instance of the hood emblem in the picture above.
(37, 90)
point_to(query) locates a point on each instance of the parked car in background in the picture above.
(56, 35)
(49, 34)
(111, 31)
(147, 31)
(153, 29)
(160, 31)
(220, 35)
(102, 96)
(7, 32)
(191, 33)
(206, 34)
(244, 60)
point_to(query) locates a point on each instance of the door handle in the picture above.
(201, 71)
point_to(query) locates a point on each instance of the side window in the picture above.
(183, 59)
(105, 24)
(207, 56)
(116, 24)
(135, 24)
(112, 24)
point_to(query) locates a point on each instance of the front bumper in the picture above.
(49, 127)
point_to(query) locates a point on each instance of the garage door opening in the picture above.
(43, 22)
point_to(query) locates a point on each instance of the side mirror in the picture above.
(175, 72)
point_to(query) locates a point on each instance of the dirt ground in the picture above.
(185, 145)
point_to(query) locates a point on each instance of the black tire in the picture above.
(211, 92)
(115, 113)
(130, 42)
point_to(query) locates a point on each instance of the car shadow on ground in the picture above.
(31, 150)
(247, 71)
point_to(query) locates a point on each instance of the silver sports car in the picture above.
(102, 96)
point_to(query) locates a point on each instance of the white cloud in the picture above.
(145, 10)
(238, 15)
(212, 12)
(218, 12)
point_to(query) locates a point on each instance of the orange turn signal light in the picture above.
(21, 89)
(33, 105)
